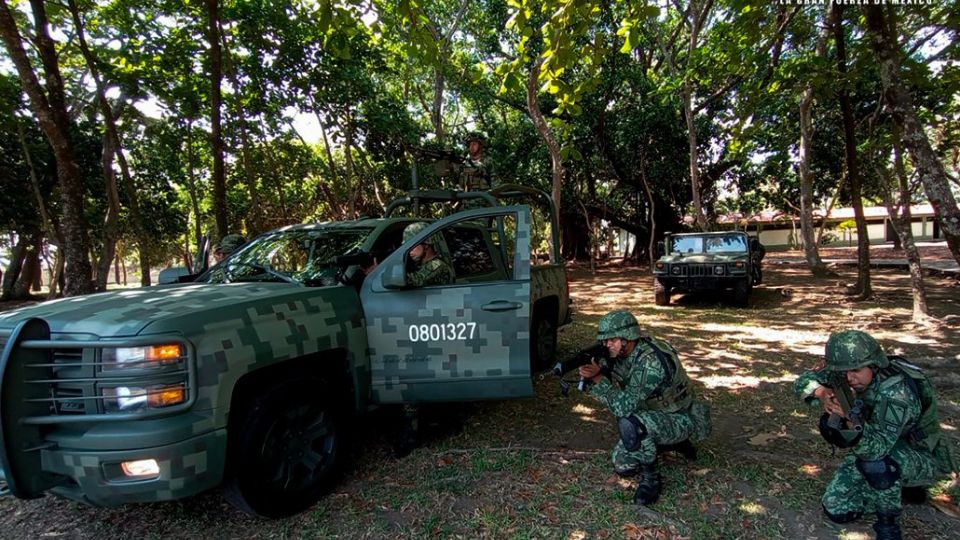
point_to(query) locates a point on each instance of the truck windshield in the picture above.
(294, 256)
(727, 243)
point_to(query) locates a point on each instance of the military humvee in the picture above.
(247, 376)
(708, 261)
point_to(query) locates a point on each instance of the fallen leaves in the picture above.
(763, 439)
(943, 504)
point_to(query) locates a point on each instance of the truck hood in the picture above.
(712, 258)
(128, 312)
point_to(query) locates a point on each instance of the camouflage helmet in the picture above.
(230, 243)
(474, 136)
(618, 324)
(412, 229)
(853, 349)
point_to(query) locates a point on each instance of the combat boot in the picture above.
(887, 526)
(648, 490)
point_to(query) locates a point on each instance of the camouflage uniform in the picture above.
(475, 173)
(899, 445)
(436, 271)
(651, 396)
(229, 243)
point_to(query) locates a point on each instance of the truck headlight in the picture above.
(141, 357)
(136, 398)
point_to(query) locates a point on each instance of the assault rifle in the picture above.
(852, 406)
(597, 351)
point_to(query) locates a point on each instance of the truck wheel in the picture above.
(741, 293)
(661, 293)
(543, 345)
(288, 450)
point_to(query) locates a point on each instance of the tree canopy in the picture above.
(132, 128)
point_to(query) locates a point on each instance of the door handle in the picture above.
(501, 305)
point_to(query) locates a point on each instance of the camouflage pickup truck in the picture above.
(247, 376)
(708, 261)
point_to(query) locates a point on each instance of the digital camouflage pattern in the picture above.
(853, 349)
(471, 342)
(436, 271)
(230, 243)
(406, 368)
(476, 174)
(638, 386)
(618, 324)
(892, 412)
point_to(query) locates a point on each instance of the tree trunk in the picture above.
(51, 111)
(192, 188)
(853, 173)
(533, 109)
(921, 313)
(900, 104)
(17, 256)
(697, 16)
(810, 244)
(348, 165)
(31, 267)
(650, 212)
(216, 137)
(110, 228)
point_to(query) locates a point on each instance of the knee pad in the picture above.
(627, 473)
(845, 517)
(879, 473)
(632, 432)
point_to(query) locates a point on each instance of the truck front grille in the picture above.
(72, 381)
(696, 270)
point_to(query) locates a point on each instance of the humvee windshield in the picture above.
(295, 256)
(726, 243)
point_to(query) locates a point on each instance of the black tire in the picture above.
(543, 341)
(661, 293)
(741, 293)
(288, 451)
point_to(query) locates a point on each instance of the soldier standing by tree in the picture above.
(890, 427)
(649, 392)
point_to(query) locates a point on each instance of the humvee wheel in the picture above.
(287, 452)
(543, 344)
(661, 293)
(741, 293)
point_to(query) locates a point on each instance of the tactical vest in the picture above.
(926, 431)
(674, 393)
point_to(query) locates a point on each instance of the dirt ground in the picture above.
(539, 467)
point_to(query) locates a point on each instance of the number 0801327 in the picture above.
(442, 332)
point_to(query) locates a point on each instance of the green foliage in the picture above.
(372, 73)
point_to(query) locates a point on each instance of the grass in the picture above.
(540, 468)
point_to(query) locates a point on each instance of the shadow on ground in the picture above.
(539, 467)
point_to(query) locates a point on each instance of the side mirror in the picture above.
(660, 248)
(172, 275)
(394, 277)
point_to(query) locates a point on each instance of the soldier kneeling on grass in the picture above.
(649, 392)
(890, 427)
